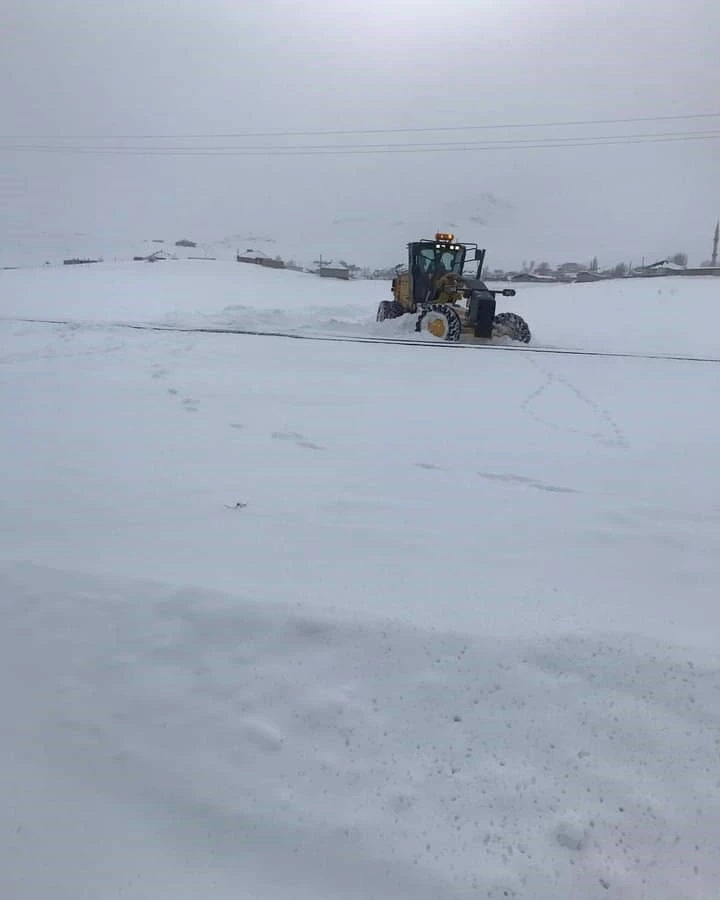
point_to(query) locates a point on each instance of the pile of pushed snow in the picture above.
(190, 293)
(226, 748)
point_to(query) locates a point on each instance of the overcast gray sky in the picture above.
(123, 75)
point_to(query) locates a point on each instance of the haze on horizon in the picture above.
(124, 120)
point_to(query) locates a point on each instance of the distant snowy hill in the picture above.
(359, 239)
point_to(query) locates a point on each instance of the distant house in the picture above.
(571, 268)
(334, 272)
(702, 270)
(185, 243)
(152, 257)
(664, 268)
(258, 258)
(533, 277)
(586, 277)
(658, 269)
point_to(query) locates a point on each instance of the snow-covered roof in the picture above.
(664, 264)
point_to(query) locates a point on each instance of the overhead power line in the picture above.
(368, 131)
(368, 149)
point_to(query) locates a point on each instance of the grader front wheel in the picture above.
(511, 325)
(440, 321)
(388, 309)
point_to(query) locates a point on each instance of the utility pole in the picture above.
(716, 238)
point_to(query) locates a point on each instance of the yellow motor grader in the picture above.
(448, 304)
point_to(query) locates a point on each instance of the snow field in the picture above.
(652, 315)
(461, 642)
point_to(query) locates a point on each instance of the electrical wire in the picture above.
(371, 131)
(371, 149)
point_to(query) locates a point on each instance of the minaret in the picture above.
(715, 243)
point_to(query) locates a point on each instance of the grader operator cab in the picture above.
(448, 304)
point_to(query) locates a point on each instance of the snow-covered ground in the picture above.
(459, 638)
(655, 315)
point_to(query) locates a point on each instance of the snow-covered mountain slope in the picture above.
(288, 619)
